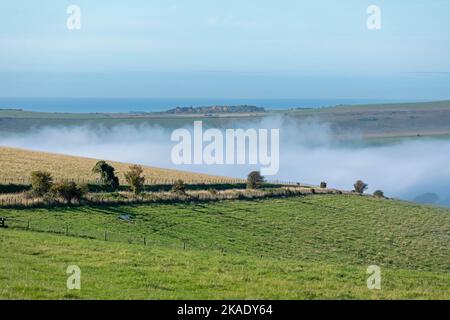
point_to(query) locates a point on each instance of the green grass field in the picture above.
(297, 248)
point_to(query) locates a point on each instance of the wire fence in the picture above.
(149, 181)
(9, 188)
(110, 235)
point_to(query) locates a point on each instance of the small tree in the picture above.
(360, 186)
(378, 194)
(41, 183)
(323, 185)
(107, 175)
(254, 180)
(135, 179)
(68, 190)
(179, 187)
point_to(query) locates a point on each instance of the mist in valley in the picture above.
(310, 152)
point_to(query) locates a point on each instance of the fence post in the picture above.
(67, 230)
(145, 241)
(106, 235)
(28, 225)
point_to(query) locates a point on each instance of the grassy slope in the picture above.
(316, 246)
(34, 267)
(17, 164)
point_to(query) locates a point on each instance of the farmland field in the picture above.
(224, 155)
(305, 246)
(17, 164)
(316, 246)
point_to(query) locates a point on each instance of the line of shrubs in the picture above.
(43, 185)
(95, 187)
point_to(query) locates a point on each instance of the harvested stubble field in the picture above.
(17, 164)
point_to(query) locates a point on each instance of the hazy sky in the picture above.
(232, 48)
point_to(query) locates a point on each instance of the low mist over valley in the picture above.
(311, 151)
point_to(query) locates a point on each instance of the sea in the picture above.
(126, 105)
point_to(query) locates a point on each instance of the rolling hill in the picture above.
(17, 164)
(316, 246)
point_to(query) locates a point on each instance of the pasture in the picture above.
(316, 246)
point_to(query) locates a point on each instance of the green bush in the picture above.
(323, 185)
(69, 191)
(360, 186)
(41, 183)
(135, 179)
(107, 175)
(254, 180)
(378, 194)
(179, 187)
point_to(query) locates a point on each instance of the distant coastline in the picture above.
(146, 105)
(417, 120)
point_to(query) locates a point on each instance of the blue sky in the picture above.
(232, 48)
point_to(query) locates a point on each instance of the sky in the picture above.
(233, 48)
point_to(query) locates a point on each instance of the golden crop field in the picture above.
(17, 164)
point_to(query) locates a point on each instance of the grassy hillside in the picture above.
(309, 247)
(17, 164)
(35, 268)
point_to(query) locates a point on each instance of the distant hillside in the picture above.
(377, 121)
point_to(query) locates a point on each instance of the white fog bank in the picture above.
(308, 154)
